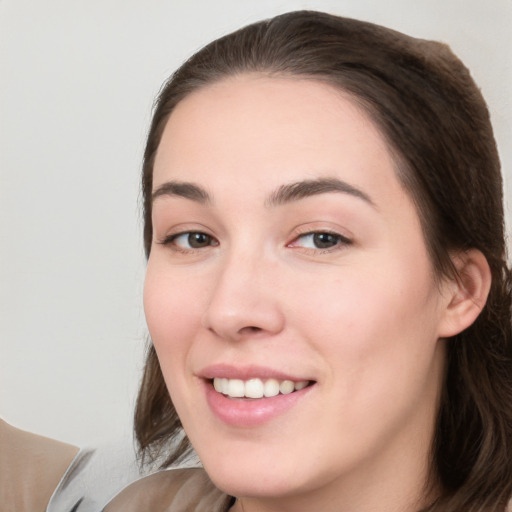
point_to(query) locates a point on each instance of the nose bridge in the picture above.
(243, 299)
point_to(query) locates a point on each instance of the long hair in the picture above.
(436, 124)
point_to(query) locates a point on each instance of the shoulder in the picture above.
(31, 467)
(95, 476)
(172, 490)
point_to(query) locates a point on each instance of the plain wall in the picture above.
(77, 81)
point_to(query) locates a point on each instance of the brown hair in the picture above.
(437, 126)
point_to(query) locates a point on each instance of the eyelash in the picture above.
(171, 241)
(339, 241)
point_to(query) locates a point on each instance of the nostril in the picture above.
(250, 329)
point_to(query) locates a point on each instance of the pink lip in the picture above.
(246, 372)
(245, 413)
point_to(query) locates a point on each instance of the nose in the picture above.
(243, 302)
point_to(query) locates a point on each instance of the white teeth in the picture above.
(236, 388)
(256, 388)
(286, 387)
(300, 385)
(271, 388)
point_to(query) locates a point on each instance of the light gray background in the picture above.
(77, 80)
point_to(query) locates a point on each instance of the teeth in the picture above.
(271, 388)
(301, 385)
(221, 385)
(286, 387)
(256, 388)
(236, 388)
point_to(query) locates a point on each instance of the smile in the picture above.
(257, 388)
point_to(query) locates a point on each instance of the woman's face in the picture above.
(285, 249)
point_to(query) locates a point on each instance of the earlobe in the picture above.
(467, 293)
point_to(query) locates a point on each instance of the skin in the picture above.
(364, 319)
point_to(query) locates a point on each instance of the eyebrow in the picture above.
(284, 194)
(307, 188)
(182, 189)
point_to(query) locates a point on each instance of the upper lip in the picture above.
(246, 372)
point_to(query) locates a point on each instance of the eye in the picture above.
(322, 240)
(190, 240)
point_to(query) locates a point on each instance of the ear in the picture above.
(467, 293)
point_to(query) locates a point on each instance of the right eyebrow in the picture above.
(182, 189)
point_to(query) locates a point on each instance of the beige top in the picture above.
(175, 490)
(172, 490)
(31, 467)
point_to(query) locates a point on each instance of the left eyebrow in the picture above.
(307, 188)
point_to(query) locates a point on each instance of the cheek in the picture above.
(373, 323)
(172, 310)
(172, 316)
(381, 347)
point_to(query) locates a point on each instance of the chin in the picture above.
(248, 480)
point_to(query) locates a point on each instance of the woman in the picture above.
(327, 290)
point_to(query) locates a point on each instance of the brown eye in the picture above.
(199, 240)
(321, 240)
(325, 240)
(190, 240)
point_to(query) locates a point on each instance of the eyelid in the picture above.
(166, 231)
(322, 227)
(173, 236)
(167, 240)
(304, 231)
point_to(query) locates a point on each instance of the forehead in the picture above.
(271, 130)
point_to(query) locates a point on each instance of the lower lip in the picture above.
(251, 412)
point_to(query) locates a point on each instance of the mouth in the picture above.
(250, 397)
(257, 388)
